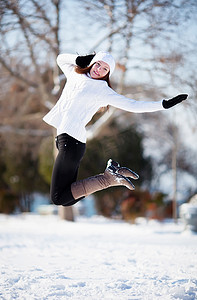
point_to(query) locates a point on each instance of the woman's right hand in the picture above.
(84, 61)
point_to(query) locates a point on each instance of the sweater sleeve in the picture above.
(66, 62)
(112, 98)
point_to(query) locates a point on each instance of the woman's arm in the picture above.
(66, 62)
(112, 98)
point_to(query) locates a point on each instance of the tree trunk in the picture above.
(174, 174)
(66, 213)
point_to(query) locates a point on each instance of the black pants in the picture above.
(65, 169)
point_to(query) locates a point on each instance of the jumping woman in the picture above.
(87, 90)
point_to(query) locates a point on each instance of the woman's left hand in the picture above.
(173, 101)
(84, 60)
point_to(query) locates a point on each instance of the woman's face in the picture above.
(99, 69)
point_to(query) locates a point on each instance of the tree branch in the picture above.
(16, 74)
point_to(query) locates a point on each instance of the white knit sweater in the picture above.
(81, 99)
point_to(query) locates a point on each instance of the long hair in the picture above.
(86, 70)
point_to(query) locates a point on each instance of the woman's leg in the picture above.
(65, 190)
(65, 169)
(114, 175)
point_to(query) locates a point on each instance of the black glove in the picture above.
(83, 61)
(171, 102)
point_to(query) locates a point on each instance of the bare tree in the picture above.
(147, 37)
(143, 35)
(36, 25)
(131, 26)
(29, 37)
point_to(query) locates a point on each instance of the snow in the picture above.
(43, 257)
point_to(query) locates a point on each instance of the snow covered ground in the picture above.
(43, 257)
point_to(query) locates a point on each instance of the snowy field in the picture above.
(43, 257)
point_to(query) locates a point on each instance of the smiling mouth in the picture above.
(96, 73)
